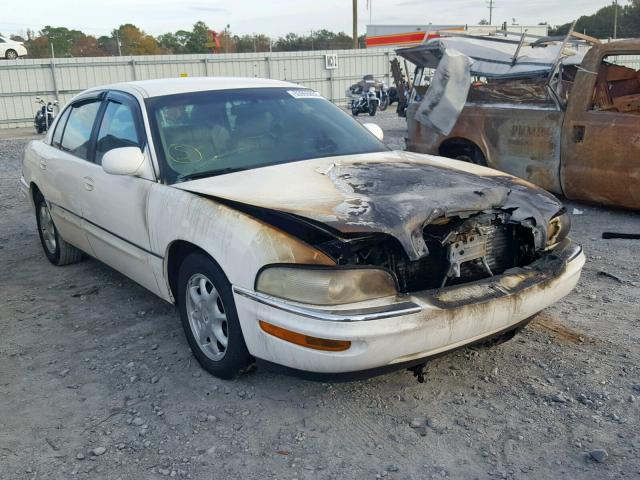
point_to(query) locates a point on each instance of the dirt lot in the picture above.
(97, 381)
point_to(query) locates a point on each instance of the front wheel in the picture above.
(384, 103)
(355, 111)
(209, 317)
(55, 248)
(11, 55)
(372, 109)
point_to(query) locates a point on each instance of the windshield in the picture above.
(203, 134)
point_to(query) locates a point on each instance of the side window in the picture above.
(77, 134)
(118, 129)
(57, 135)
(618, 85)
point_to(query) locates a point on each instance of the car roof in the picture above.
(171, 86)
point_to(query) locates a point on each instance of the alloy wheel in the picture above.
(47, 228)
(207, 317)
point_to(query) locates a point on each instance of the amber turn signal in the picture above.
(305, 340)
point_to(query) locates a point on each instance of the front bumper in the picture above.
(409, 327)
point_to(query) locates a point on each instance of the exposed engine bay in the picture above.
(460, 251)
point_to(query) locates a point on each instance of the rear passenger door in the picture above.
(65, 166)
(115, 206)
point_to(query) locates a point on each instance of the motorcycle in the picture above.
(44, 116)
(385, 98)
(367, 102)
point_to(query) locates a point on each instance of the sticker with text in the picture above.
(304, 93)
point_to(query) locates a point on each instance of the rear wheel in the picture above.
(55, 248)
(11, 54)
(209, 317)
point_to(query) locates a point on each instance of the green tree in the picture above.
(197, 39)
(134, 41)
(61, 38)
(600, 24)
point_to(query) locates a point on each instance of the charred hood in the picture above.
(396, 193)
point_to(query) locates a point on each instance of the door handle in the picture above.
(87, 183)
(43, 165)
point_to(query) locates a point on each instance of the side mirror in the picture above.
(123, 161)
(375, 130)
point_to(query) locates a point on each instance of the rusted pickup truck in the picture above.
(572, 127)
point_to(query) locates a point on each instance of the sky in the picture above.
(278, 17)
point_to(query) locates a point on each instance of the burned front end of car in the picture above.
(421, 255)
(460, 250)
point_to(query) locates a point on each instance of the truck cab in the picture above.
(574, 132)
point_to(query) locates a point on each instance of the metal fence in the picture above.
(23, 80)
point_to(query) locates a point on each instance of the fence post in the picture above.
(206, 67)
(133, 69)
(268, 60)
(55, 80)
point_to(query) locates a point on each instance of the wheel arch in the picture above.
(454, 145)
(34, 191)
(176, 252)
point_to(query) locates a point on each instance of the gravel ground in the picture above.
(97, 382)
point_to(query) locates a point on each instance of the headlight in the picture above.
(558, 228)
(325, 286)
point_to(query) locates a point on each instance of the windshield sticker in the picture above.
(304, 93)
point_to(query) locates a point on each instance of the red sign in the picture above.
(213, 38)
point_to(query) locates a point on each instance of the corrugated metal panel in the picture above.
(23, 80)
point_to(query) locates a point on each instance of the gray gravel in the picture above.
(97, 382)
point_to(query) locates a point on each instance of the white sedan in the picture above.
(10, 49)
(286, 231)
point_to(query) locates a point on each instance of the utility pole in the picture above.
(491, 6)
(118, 43)
(355, 23)
(615, 18)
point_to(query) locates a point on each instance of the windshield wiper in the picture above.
(209, 173)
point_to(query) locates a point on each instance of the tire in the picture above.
(372, 109)
(384, 103)
(209, 319)
(355, 111)
(55, 248)
(11, 54)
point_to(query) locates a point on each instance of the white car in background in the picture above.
(286, 231)
(11, 49)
